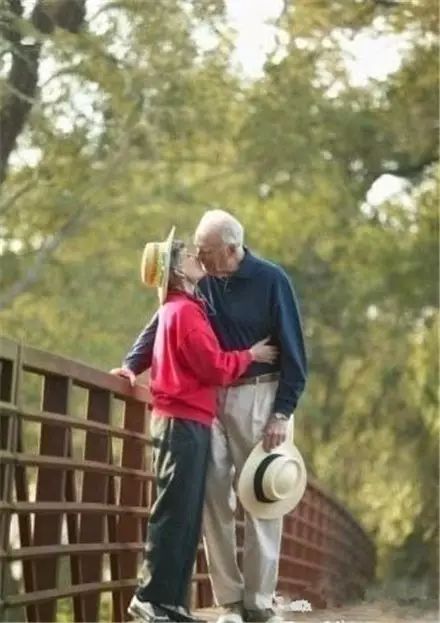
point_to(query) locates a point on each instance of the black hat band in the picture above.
(259, 475)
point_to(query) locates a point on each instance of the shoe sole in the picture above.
(230, 618)
(179, 617)
(136, 613)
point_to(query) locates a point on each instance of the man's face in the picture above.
(213, 253)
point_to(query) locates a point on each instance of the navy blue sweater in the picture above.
(254, 302)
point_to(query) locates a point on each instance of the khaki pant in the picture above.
(242, 414)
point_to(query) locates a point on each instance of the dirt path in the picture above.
(367, 612)
(375, 612)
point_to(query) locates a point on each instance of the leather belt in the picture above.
(255, 380)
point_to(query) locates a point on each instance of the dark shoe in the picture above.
(147, 611)
(180, 614)
(232, 613)
(265, 615)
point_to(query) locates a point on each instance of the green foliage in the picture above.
(167, 130)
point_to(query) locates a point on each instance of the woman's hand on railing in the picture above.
(125, 373)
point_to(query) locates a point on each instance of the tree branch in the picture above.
(6, 205)
(388, 4)
(23, 76)
(53, 242)
(22, 80)
(66, 14)
(412, 170)
(46, 250)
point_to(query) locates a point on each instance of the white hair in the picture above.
(229, 228)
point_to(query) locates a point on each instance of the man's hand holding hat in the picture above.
(275, 431)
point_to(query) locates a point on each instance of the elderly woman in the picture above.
(188, 364)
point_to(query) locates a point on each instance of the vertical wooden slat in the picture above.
(51, 487)
(6, 475)
(115, 567)
(25, 528)
(95, 489)
(22, 492)
(7, 374)
(8, 441)
(204, 592)
(21, 488)
(73, 536)
(129, 529)
(7, 370)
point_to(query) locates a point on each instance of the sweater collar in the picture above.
(247, 266)
(174, 295)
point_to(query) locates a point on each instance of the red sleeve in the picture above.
(202, 353)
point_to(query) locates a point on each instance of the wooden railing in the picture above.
(76, 487)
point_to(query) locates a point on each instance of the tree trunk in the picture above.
(22, 81)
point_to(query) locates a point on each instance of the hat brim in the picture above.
(163, 286)
(246, 491)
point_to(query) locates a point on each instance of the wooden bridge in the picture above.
(76, 489)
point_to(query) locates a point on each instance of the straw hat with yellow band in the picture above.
(155, 266)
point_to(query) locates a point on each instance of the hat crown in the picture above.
(155, 265)
(280, 478)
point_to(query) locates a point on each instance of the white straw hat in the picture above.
(272, 484)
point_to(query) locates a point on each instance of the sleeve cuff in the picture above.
(285, 409)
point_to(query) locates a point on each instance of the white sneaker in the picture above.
(146, 611)
(262, 615)
(233, 613)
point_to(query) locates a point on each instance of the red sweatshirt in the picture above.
(188, 363)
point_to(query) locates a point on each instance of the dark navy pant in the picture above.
(180, 455)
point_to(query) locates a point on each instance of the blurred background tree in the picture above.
(119, 119)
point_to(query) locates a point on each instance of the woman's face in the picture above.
(191, 267)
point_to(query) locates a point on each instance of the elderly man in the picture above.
(247, 298)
